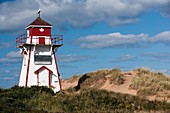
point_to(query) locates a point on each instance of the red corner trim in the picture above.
(57, 70)
(43, 67)
(28, 66)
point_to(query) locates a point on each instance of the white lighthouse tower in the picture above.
(39, 65)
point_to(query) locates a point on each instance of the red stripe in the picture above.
(57, 70)
(26, 83)
(31, 36)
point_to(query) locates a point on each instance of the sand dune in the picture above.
(103, 82)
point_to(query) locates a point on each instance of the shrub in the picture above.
(1, 90)
(41, 100)
(12, 99)
(94, 101)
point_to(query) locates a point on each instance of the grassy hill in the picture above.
(94, 92)
(43, 100)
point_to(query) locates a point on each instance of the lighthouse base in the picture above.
(33, 74)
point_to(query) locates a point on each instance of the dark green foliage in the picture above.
(1, 90)
(95, 101)
(12, 100)
(43, 100)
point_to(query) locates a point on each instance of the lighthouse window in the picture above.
(42, 59)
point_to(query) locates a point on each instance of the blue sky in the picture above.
(101, 34)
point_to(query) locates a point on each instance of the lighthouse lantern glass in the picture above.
(42, 59)
(42, 55)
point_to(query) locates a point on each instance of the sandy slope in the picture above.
(123, 88)
(68, 84)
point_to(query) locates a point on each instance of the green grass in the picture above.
(43, 100)
(94, 101)
(90, 99)
(12, 99)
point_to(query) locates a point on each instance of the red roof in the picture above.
(40, 22)
(43, 67)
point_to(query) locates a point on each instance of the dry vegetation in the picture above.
(149, 83)
(142, 82)
(97, 79)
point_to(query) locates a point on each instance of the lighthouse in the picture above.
(38, 47)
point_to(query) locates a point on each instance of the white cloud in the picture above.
(5, 45)
(73, 58)
(124, 58)
(122, 40)
(157, 55)
(65, 66)
(8, 78)
(112, 40)
(163, 37)
(11, 57)
(127, 57)
(14, 54)
(9, 60)
(78, 13)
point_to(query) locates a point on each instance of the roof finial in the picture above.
(39, 11)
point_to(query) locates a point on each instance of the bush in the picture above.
(13, 100)
(43, 100)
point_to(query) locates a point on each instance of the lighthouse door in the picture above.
(43, 78)
(41, 40)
